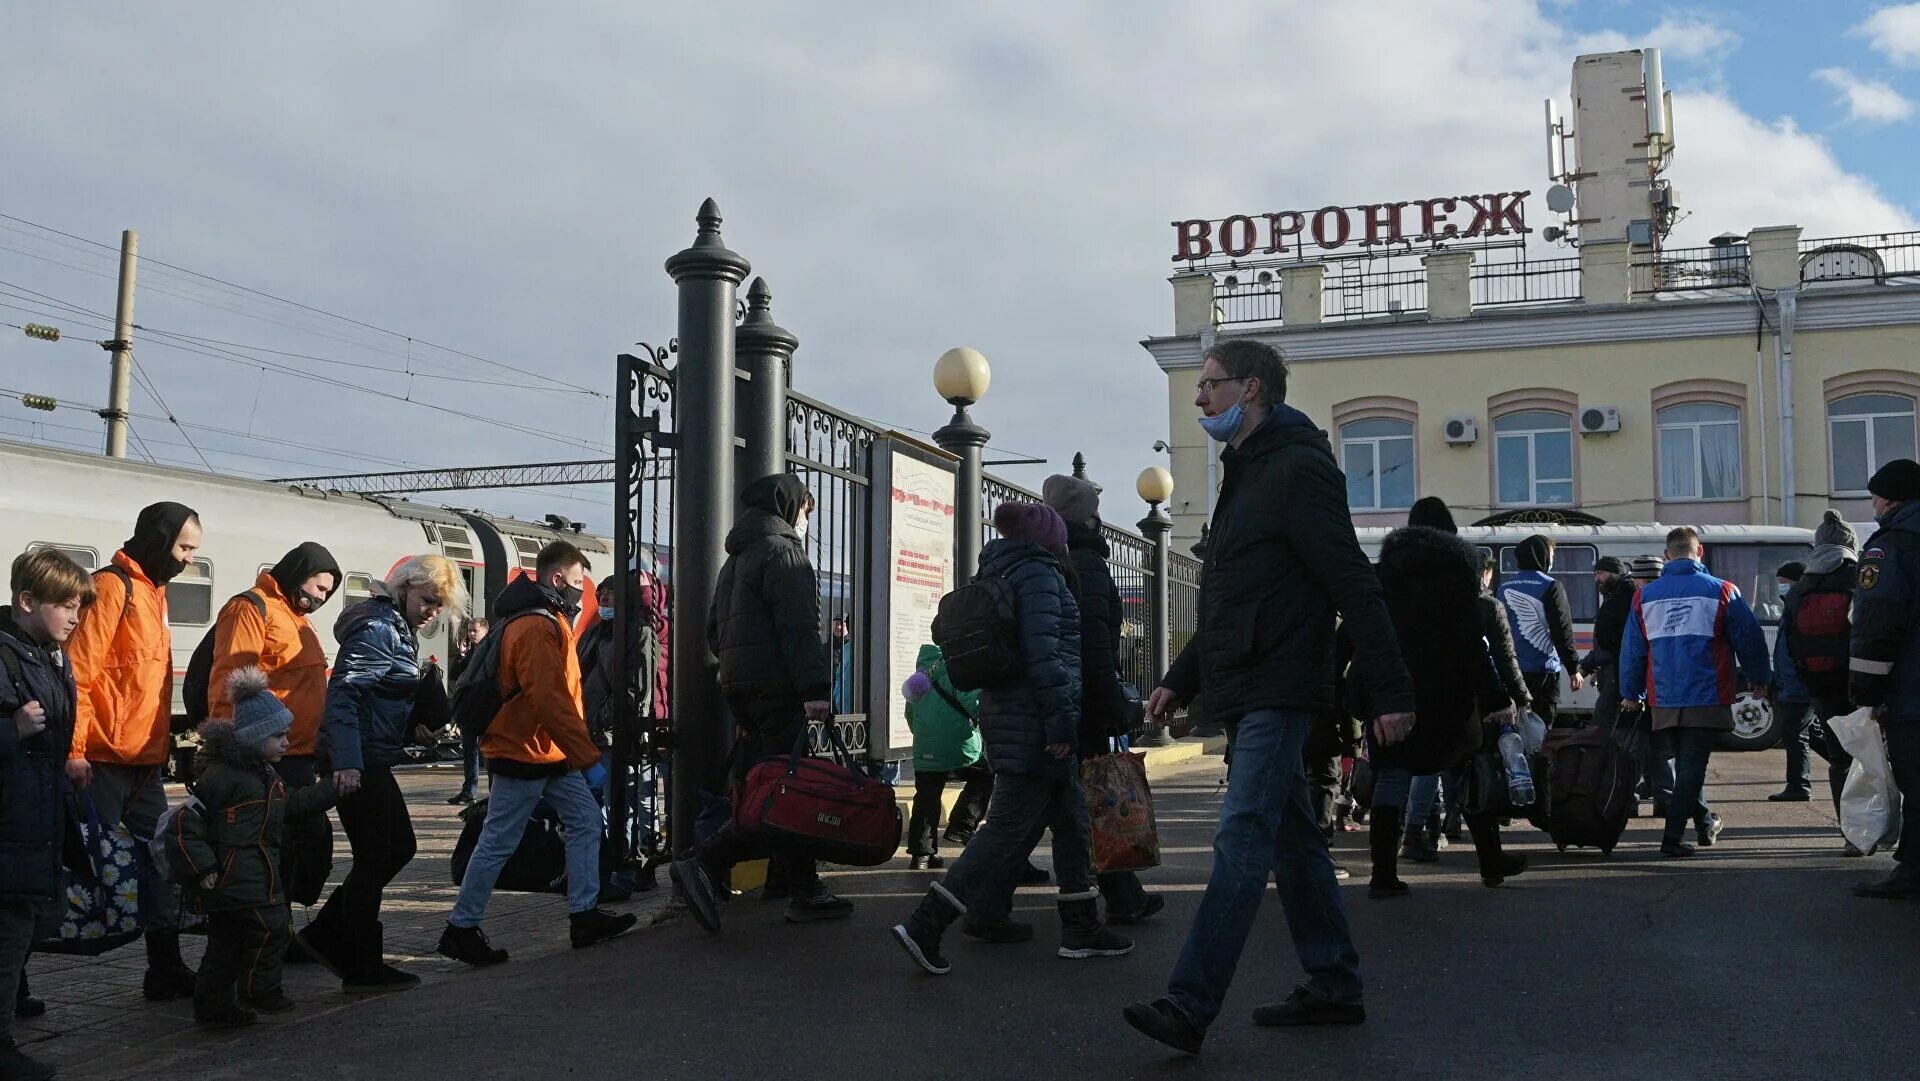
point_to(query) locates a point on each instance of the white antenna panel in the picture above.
(1556, 148)
(1656, 95)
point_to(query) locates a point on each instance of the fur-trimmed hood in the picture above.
(218, 744)
(1424, 553)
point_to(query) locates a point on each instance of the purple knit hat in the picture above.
(1034, 522)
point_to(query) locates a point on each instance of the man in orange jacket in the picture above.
(122, 655)
(537, 748)
(267, 628)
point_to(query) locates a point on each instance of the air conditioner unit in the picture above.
(1599, 420)
(1462, 431)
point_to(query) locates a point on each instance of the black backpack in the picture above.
(476, 698)
(978, 632)
(194, 689)
(1819, 635)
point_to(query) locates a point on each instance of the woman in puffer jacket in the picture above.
(1031, 726)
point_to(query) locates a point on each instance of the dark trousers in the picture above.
(380, 832)
(1024, 806)
(1545, 689)
(1903, 754)
(1323, 789)
(923, 832)
(1606, 706)
(22, 923)
(770, 734)
(306, 842)
(1796, 727)
(1839, 762)
(246, 949)
(469, 764)
(1691, 749)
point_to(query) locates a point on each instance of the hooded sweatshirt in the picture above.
(541, 729)
(277, 637)
(1536, 603)
(764, 625)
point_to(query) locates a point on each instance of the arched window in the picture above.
(1377, 455)
(1699, 451)
(1533, 458)
(1866, 432)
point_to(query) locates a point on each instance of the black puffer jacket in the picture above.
(1609, 626)
(1103, 710)
(33, 779)
(765, 621)
(1019, 721)
(1282, 559)
(1431, 581)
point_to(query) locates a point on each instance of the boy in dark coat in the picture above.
(228, 850)
(36, 731)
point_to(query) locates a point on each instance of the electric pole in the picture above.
(120, 392)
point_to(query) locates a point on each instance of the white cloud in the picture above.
(1693, 38)
(1894, 32)
(1867, 101)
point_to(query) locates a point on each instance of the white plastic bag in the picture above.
(161, 847)
(1533, 732)
(1868, 815)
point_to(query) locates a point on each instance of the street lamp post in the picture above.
(1155, 485)
(962, 376)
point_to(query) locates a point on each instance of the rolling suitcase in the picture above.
(1590, 783)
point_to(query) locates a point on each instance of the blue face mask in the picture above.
(1226, 424)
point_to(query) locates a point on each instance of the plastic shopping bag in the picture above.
(1533, 732)
(1120, 810)
(1868, 804)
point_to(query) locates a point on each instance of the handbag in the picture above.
(825, 808)
(103, 910)
(1120, 812)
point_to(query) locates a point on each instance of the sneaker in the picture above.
(1165, 1022)
(1902, 885)
(691, 874)
(1512, 865)
(1308, 1007)
(15, 1063)
(234, 1016)
(925, 950)
(1033, 876)
(596, 925)
(461, 798)
(820, 906)
(1341, 873)
(999, 932)
(958, 837)
(1709, 832)
(1675, 849)
(1079, 944)
(275, 1001)
(164, 984)
(928, 863)
(1148, 909)
(470, 946)
(1382, 891)
(1852, 851)
(1791, 795)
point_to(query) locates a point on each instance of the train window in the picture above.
(190, 596)
(456, 542)
(1573, 567)
(86, 558)
(358, 587)
(470, 577)
(529, 550)
(1751, 568)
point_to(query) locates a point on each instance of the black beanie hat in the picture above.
(1898, 480)
(1611, 565)
(1432, 513)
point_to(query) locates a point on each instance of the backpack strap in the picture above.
(126, 583)
(954, 702)
(16, 678)
(512, 694)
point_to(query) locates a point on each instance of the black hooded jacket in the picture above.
(1282, 559)
(1103, 710)
(154, 535)
(303, 562)
(1610, 625)
(764, 625)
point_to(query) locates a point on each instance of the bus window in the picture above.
(1573, 567)
(1751, 568)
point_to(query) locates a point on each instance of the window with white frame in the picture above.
(1377, 455)
(1866, 432)
(1533, 458)
(1699, 451)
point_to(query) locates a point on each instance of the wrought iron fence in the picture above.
(1876, 256)
(1524, 281)
(1680, 270)
(832, 451)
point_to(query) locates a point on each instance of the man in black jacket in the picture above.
(1602, 662)
(765, 628)
(1282, 560)
(1542, 625)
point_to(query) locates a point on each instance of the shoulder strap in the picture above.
(954, 702)
(126, 584)
(258, 601)
(501, 647)
(15, 676)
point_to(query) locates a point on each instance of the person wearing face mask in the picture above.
(122, 656)
(369, 708)
(1884, 666)
(765, 628)
(538, 749)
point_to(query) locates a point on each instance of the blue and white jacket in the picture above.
(1688, 632)
(1541, 621)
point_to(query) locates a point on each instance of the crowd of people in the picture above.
(89, 707)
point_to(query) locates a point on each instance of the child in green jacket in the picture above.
(946, 744)
(228, 850)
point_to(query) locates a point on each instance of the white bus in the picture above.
(1746, 555)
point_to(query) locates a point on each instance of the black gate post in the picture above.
(765, 354)
(1156, 487)
(703, 504)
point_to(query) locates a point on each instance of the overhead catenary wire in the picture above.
(153, 392)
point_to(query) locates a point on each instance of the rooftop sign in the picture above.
(1422, 221)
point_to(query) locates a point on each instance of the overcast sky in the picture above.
(506, 179)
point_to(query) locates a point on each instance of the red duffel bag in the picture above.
(828, 809)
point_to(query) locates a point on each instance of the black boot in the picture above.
(1384, 838)
(1420, 846)
(1496, 866)
(15, 1063)
(371, 974)
(920, 935)
(168, 976)
(1902, 885)
(329, 951)
(24, 1004)
(596, 925)
(470, 946)
(1082, 935)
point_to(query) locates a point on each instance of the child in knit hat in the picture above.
(228, 851)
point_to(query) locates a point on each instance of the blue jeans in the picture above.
(1691, 748)
(1267, 829)
(1023, 804)
(1796, 726)
(510, 807)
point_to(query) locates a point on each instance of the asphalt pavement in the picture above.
(1750, 961)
